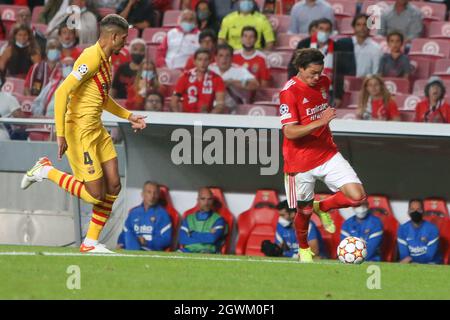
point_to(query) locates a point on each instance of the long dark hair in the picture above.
(33, 48)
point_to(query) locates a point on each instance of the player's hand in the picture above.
(62, 146)
(137, 122)
(141, 240)
(328, 115)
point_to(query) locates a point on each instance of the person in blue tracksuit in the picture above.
(148, 226)
(286, 238)
(418, 240)
(366, 226)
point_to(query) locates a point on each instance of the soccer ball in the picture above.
(352, 250)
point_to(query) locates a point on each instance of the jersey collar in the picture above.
(102, 53)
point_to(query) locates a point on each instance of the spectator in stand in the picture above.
(40, 73)
(221, 8)
(139, 13)
(208, 41)
(396, 63)
(418, 240)
(320, 31)
(286, 238)
(9, 108)
(250, 58)
(111, 4)
(88, 27)
(375, 101)
(403, 17)
(20, 54)
(203, 91)
(238, 80)
(44, 104)
(146, 81)
(24, 17)
(126, 73)
(179, 44)
(54, 14)
(205, 17)
(433, 108)
(148, 226)
(154, 101)
(366, 226)
(203, 231)
(68, 39)
(247, 15)
(304, 12)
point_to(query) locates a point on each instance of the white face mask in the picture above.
(283, 222)
(361, 211)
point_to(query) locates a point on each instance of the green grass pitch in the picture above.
(151, 275)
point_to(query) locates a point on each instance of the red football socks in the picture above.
(337, 201)
(301, 224)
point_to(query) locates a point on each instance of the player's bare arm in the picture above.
(220, 103)
(295, 131)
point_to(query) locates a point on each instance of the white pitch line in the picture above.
(187, 257)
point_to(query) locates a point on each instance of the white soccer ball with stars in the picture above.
(352, 250)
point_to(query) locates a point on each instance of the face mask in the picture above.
(22, 45)
(68, 45)
(187, 26)
(203, 15)
(53, 54)
(66, 70)
(148, 75)
(283, 222)
(246, 6)
(137, 58)
(322, 36)
(416, 216)
(361, 211)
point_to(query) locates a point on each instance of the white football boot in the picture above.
(35, 174)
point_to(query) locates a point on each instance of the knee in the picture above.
(358, 197)
(114, 188)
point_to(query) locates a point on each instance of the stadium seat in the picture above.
(346, 113)
(382, 43)
(256, 110)
(25, 103)
(133, 33)
(407, 115)
(39, 132)
(103, 12)
(436, 212)
(352, 83)
(442, 68)
(288, 41)
(433, 48)
(9, 12)
(439, 30)
(36, 14)
(344, 26)
(279, 78)
(168, 76)
(166, 201)
(14, 85)
(435, 207)
(343, 8)
(154, 35)
(350, 98)
(176, 4)
(151, 52)
(42, 28)
(280, 23)
(221, 207)
(421, 67)
(381, 208)
(279, 60)
(407, 101)
(419, 86)
(431, 11)
(171, 18)
(397, 85)
(265, 198)
(257, 224)
(267, 95)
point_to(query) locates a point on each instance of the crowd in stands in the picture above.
(388, 62)
(203, 229)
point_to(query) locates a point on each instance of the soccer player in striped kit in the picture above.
(309, 151)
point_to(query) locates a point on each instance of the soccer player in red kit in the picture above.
(309, 151)
(202, 91)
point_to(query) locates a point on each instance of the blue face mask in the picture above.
(66, 70)
(246, 6)
(322, 36)
(53, 54)
(148, 75)
(187, 26)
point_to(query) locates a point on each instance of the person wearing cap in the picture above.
(366, 226)
(433, 108)
(126, 73)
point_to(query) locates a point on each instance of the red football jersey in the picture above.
(382, 112)
(441, 114)
(302, 104)
(256, 64)
(197, 93)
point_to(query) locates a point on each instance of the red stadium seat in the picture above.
(25, 103)
(421, 67)
(14, 85)
(171, 18)
(431, 11)
(436, 211)
(442, 68)
(256, 110)
(103, 12)
(346, 113)
(439, 30)
(133, 33)
(151, 52)
(279, 60)
(368, 6)
(436, 48)
(257, 224)
(173, 213)
(280, 23)
(9, 12)
(344, 26)
(154, 35)
(352, 83)
(350, 98)
(267, 95)
(42, 28)
(36, 14)
(397, 85)
(419, 86)
(221, 207)
(435, 206)
(168, 76)
(381, 207)
(407, 115)
(344, 8)
(443, 225)
(279, 78)
(288, 41)
(407, 101)
(382, 42)
(39, 132)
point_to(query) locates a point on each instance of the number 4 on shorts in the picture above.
(87, 158)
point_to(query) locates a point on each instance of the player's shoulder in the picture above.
(290, 86)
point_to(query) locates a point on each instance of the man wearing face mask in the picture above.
(366, 226)
(247, 15)
(418, 240)
(180, 43)
(126, 73)
(205, 17)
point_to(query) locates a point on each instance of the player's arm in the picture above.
(374, 240)
(403, 248)
(432, 245)
(137, 121)
(219, 89)
(296, 131)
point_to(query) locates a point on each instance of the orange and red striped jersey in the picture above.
(94, 71)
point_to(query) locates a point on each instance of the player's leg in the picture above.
(300, 194)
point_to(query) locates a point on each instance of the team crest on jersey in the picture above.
(91, 170)
(152, 219)
(83, 69)
(424, 239)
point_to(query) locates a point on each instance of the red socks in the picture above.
(301, 224)
(337, 201)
